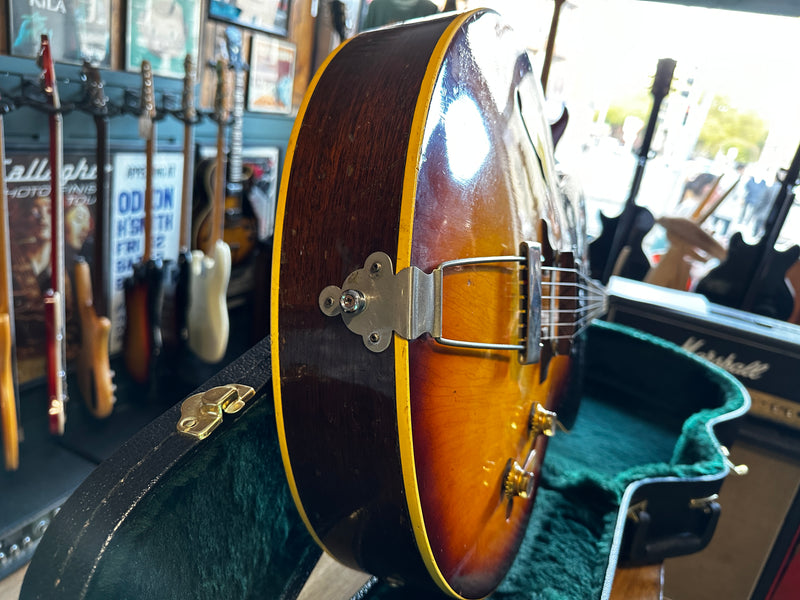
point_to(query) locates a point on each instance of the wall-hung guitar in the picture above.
(175, 316)
(210, 272)
(95, 377)
(9, 423)
(54, 298)
(144, 290)
(753, 277)
(239, 230)
(618, 249)
(425, 297)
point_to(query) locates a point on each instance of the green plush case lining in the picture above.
(221, 522)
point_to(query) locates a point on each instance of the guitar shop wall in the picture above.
(125, 192)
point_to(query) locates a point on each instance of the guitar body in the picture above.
(239, 229)
(9, 426)
(144, 300)
(94, 372)
(175, 314)
(728, 283)
(208, 321)
(601, 252)
(426, 142)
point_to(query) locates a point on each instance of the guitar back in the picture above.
(426, 142)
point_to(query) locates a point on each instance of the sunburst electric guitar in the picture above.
(426, 291)
(210, 272)
(239, 230)
(144, 289)
(95, 377)
(55, 309)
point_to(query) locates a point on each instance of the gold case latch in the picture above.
(202, 413)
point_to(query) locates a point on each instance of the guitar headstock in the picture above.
(663, 79)
(189, 110)
(94, 87)
(233, 41)
(147, 105)
(48, 76)
(221, 110)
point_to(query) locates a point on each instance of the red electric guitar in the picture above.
(54, 298)
(426, 292)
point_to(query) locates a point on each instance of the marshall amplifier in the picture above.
(764, 354)
(755, 544)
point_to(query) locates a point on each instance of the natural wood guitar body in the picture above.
(426, 142)
(95, 377)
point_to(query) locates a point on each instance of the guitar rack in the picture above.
(51, 468)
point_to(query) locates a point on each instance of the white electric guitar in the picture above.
(207, 321)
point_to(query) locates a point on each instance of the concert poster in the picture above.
(271, 82)
(28, 185)
(126, 229)
(78, 30)
(163, 32)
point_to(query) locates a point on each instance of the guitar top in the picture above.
(411, 453)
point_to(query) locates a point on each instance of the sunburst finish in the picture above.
(426, 142)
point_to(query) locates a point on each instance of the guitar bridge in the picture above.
(374, 302)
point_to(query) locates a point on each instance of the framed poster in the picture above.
(28, 185)
(78, 29)
(271, 75)
(126, 228)
(267, 16)
(163, 32)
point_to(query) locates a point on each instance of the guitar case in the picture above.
(171, 515)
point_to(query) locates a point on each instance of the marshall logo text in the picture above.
(753, 370)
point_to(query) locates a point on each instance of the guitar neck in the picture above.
(100, 270)
(775, 220)
(188, 185)
(218, 203)
(148, 196)
(235, 158)
(663, 78)
(56, 204)
(189, 115)
(55, 310)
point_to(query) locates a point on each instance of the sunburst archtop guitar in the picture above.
(425, 296)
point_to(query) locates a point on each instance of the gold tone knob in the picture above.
(542, 421)
(518, 481)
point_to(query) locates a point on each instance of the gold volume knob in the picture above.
(542, 421)
(518, 481)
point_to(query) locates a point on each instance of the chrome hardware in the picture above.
(703, 504)
(738, 469)
(202, 413)
(517, 481)
(374, 302)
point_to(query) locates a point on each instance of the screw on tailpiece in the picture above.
(352, 301)
(375, 268)
(374, 337)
